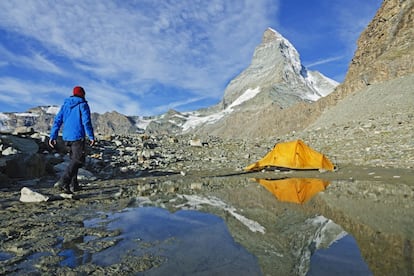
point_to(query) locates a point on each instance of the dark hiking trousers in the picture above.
(76, 151)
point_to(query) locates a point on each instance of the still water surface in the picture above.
(197, 243)
(366, 229)
(189, 242)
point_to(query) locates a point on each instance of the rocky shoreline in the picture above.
(141, 170)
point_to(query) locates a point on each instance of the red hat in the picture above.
(78, 91)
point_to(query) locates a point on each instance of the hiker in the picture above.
(75, 116)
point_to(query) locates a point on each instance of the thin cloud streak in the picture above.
(14, 91)
(324, 61)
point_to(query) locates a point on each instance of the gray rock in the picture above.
(27, 195)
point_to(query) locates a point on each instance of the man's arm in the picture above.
(87, 122)
(57, 123)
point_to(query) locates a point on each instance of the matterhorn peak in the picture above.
(277, 70)
(273, 39)
(271, 35)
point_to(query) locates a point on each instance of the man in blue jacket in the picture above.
(75, 116)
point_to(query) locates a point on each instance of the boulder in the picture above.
(27, 195)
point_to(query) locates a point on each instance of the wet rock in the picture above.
(27, 195)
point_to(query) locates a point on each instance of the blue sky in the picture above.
(144, 57)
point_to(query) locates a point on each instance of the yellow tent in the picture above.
(296, 190)
(293, 155)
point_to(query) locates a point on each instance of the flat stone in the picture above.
(27, 195)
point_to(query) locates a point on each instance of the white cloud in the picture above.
(103, 97)
(159, 40)
(16, 92)
(35, 61)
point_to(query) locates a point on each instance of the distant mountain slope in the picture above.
(375, 104)
(40, 119)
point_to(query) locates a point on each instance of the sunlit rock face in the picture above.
(385, 48)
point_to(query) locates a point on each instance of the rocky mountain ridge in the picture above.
(40, 119)
(385, 48)
(385, 51)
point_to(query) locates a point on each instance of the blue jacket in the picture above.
(76, 118)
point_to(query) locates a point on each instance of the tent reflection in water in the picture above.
(293, 155)
(296, 190)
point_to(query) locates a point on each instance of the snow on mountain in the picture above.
(328, 233)
(324, 232)
(3, 119)
(195, 119)
(314, 80)
(51, 109)
(320, 83)
(143, 123)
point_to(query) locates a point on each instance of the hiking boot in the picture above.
(62, 188)
(74, 185)
(75, 188)
(58, 184)
(65, 190)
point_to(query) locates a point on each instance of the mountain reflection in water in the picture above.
(332, 250)
(190, 242)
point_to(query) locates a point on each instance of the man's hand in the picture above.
(92, 142)
(52, 143)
